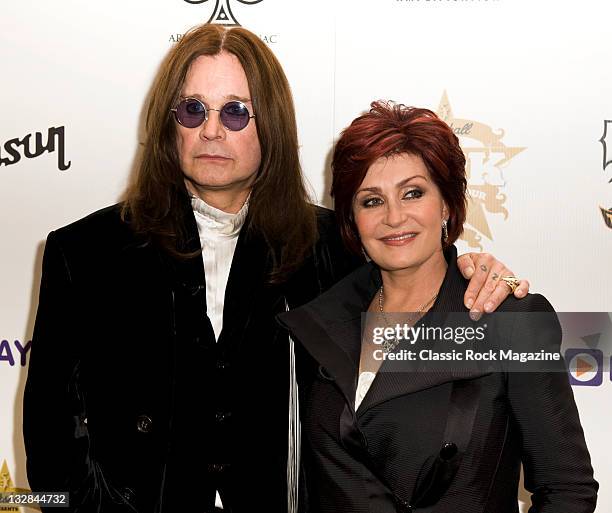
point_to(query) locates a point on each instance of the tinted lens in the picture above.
(234, 115)
(190, 113)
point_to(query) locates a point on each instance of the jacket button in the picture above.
(324, 373)
(144, 424)
(222, 416)
(449, 449)
(194, 290)
(128, 494)
(217, 468)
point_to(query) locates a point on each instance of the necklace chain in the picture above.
(390, 345)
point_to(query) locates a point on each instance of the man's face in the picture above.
(212, 157)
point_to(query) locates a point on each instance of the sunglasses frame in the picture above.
(206, 109)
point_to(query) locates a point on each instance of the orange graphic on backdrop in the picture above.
(486, 157)
(582, 367)
(6, 486)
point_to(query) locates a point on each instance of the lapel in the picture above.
(392, 379)
(181, 273)
(188, 283)
(329, 328)
(247, 278)
(250, 264)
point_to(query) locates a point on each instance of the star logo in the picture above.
(222, 13)
(486, 158)
(6, 486)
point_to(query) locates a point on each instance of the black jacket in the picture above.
(130, 404)
(448, 441)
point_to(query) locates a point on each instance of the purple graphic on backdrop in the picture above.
(9, 354)
(222, 13)
(585, 367)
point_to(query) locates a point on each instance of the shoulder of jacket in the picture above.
(530, 303)
(326, 219)
(106, 216)
(103, 228)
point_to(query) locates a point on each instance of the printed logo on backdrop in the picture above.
(587, 345)
(585, 367)
(32, 146)
(6, 486)
(15, 353)
(607, 165)
(486, 160)
(222, 14)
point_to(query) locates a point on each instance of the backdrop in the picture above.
(526, 85)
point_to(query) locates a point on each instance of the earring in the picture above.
(444, 230)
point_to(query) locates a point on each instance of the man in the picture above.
(158, 374)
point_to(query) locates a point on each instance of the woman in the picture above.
(441, 441)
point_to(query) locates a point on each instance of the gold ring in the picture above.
(512, 282)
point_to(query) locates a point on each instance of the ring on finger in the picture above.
(512, 282)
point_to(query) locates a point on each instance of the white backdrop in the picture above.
(527, 85)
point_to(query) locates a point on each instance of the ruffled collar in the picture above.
(218, 222)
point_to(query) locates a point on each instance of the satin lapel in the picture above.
(246, 283)
(188, 284)
(329, 327)
(389, 382)
(332, 346)
(188, 273)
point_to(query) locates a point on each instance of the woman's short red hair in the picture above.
(388, 129)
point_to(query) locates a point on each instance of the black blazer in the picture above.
(130, 404)
(446, 441)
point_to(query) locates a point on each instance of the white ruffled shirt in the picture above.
(219, 232)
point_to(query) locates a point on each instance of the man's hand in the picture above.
(486, 291)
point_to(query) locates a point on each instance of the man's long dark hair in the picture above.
(278, 207)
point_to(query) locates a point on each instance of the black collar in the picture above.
(329, 328)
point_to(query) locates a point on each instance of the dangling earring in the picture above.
(365, 254)
(444, 230)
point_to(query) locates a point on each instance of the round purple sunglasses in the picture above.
(191, 113)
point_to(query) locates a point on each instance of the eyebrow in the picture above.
(398, 184)
(228, 97)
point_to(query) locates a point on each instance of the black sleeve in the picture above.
(54, 417)
(556, 461)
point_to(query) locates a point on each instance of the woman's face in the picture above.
(398, 211)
